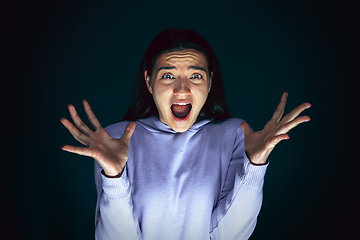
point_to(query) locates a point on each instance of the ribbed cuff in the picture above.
(116, 188)
(253, 175)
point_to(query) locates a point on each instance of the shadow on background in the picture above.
(54, 53)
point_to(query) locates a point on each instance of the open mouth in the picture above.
(181, 111)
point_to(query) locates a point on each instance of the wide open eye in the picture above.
(196, 76)
(167, 76)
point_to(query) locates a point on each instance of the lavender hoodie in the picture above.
(193, 185)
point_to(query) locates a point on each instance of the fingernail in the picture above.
(287, 138)
(308, 120)
(308, 106)
(287, 93)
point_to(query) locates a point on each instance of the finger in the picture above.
(290, 125)
(78, 150)
(294, 113)
(91, 116)
(79, 136)
(275, 140)
(246, 128)
(129, 130)
(77, 120)
(280, 108)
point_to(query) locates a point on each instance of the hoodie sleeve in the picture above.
(114, 208)
(236, 211)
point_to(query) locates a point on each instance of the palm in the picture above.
(258, 145)
(110, 153)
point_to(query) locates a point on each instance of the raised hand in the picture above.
(258, 145)
(110, 153)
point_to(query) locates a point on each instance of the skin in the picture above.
(183, 82)
(179, 84)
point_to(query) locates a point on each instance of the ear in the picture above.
(147, 80)
(210, 81)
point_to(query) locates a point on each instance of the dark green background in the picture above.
(55, 52)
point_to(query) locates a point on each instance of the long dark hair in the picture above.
(142, 104)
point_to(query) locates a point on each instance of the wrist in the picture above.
(111, 176)
(256, 163)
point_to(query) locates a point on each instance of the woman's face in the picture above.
(180, 83)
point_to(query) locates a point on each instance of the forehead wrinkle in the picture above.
(177, 62)
(182, 53)
(183, 57)
(186, 59)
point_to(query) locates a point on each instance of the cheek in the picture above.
(202, 95)
(161, 96)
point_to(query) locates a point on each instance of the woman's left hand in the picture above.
(258, 145)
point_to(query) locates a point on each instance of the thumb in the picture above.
(129, 130)
(246, 128)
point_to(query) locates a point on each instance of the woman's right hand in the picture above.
(110, 153)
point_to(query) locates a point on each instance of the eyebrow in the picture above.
(191, 67)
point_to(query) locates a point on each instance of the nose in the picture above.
(182, 88)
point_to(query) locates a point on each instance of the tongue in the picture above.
(181, 111)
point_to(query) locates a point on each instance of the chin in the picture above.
(178, 126)
(180, 129)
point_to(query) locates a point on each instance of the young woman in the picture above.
(177, 166)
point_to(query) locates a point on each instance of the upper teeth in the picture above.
(181, 103)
